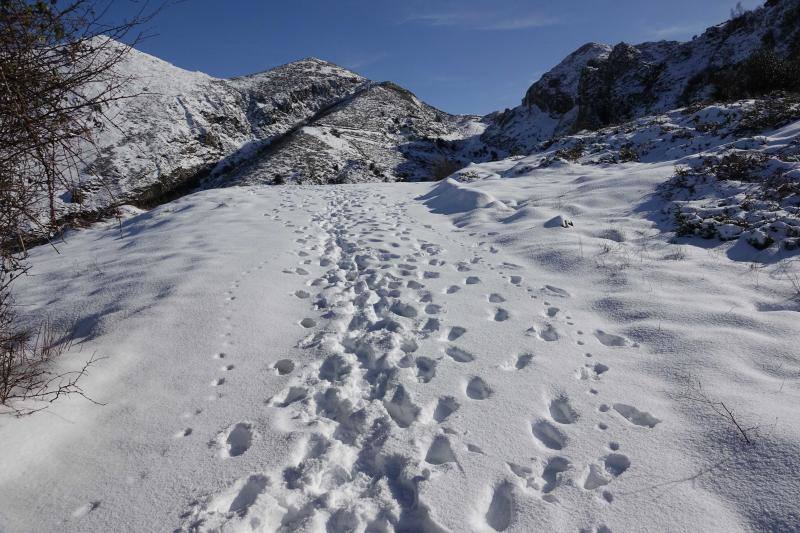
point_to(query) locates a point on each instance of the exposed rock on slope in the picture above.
(598, 85)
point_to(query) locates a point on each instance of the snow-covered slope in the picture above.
(187, 128)
(412, 357)
(598, 85)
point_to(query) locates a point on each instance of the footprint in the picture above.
(308, 322)
(555, 291)
(608, 339)
(284, 366)
(501, 509)
(426, 369)
(433, 309)
(523, 360)
(455, 333)
(217, 382)
(472, 280)
(635, 416)
(549, 435)
(552, 312)
(515, 280)
(302, 294)
(294, 394)
(549, 333)
(446, 406)
(85, 509)
(227, 368)
(477, 389)
(459, 355)
(496, 298)
(430, 275)
(440, 451)
(501, 315)
(550, 474)
(452, 289)
(400, 407)
(561, 411)
(334, 368)
(238, 499)
(237, 440)
(600, 474)
(404, 310)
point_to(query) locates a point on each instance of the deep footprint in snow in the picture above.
(455, 333)
(308, 323)
(599, 474)
(550, 436)
(501, 315)
(635, 416)
(561, 411)
(440, 451)
(472, 280)
(478, 389)
(452, 289)
(446, 406)
(459, 355)
(495, 298)
(238, 499)
(608, 339)
(284, 366)
(523, 360)
(426, 369)
(238, 440)
(550, 474)
(501, 509)
(549, 333)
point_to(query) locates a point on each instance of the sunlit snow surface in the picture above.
(411, 357)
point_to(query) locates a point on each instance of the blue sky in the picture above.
(470, 56)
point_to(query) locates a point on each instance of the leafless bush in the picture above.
(58, 78)
(693, 391)
(28, 381)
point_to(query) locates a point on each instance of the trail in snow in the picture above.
(346, 359)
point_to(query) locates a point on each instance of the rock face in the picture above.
(598, 85)
(382, 132)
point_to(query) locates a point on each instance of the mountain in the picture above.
(312, 122)
(599, 85)
(308, 121)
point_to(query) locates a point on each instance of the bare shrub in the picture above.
(28, 382)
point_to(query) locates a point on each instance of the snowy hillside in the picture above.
(187, 129)
(598, 85)
(294, 331)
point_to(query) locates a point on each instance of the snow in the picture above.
(413, 357)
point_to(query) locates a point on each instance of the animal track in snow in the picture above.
(452, 289)
(495, 298)
(635, 416)
(478, 389)
(472, 280)
(550, 436)
(555, 291)
(85, 509)
(308, 323)
(459, 355)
